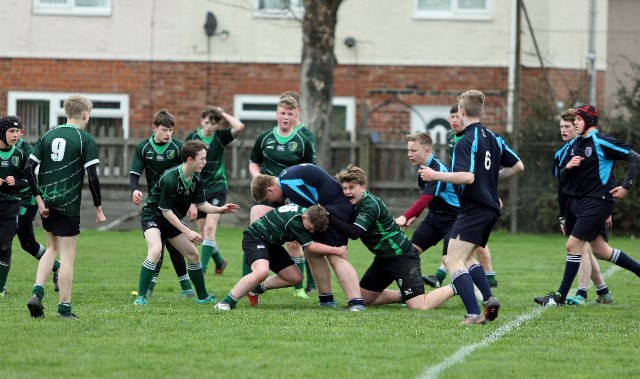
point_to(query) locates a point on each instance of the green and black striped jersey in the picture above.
(64, 153)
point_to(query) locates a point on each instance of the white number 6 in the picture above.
(487, 161)
(57, 149)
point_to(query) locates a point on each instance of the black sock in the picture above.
(570, 272)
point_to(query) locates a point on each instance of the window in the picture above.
(279, 8)
(454, 9)
(258, 113)
(73, 7)
(41, 110)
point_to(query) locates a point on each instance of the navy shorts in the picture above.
(586, 217)
(255, 248)
(29, 212)
(60, 225)
(404, 269)
(345, 212)
(474, 224)
(435, 227)
(218, 199)
(167, 230)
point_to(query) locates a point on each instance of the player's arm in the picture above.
(507, 172)
(415, 210)
(94, 188)
(353, 231)
(208, 208)
(320, 248)
(458, 177)
(632, 171)
(134, 184)
(234, 123)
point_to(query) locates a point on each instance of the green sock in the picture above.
(311, 283)
(259, 289)
(205, 255)
(217, 257)
(56, 265)
(38, 290)
(229, 299)
(491, 277)
(4, 273)
(64, 308)
(246, 269)
(185, 282)
(147, 271)
(299, 261)
(197, 277)
(441, 274)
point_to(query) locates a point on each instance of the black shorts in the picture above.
(60, 225)
(255, 248)
(345, 212)
(474, 224)
(8, 229)
(435, 227)
(404, 269)
(29, 212)
(586, 217)
(218, 199)
(167, 230)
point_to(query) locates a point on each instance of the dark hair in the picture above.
(164, 118)
(191, 148)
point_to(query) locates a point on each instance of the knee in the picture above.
(260, 274)
(154, 254)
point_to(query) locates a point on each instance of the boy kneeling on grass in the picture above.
(396, 259)
(167, 204)
(263, 251)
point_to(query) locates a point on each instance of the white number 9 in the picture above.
(57, 149)
(487, 161)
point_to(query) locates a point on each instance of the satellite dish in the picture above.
(210, 24)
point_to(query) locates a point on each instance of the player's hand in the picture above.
(619, 192)
(10, 180)
(44, 212)
(426, 173)
(192, 213)
(136, 196)
(344, 253)
(574, 162)
(229, 207)
(411, 221)
(194, 237)
(500, 203)
(100, 217)
(401, 221)
(1, 181)
(609, 222)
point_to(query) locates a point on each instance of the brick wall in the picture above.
(185, 87)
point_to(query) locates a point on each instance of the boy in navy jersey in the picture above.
(477, 162)
(590, 188)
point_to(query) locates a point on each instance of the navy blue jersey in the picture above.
(445, 198)
(482, 153)
(594, 177)
(307, 184)
(560, 159)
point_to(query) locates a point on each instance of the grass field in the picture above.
(288, 337)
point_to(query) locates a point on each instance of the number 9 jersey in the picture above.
(64, 154)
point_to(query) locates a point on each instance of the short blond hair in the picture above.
(352, 174)
(288, 102)
(259, 185)
(318, 216)
(472, 102)
(423, 138)
(76, 105)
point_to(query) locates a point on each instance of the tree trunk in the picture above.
(316, 72)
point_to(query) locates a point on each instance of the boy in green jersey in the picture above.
(63, 153)
(12, 161)
(263, 251)
(154, 156)
(162, 214)
(217, 130)
(396, 259)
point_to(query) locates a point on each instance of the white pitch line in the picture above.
(458, 357)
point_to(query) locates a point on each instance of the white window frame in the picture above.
(241, 114)
(455, 13)
(71, 9)
(55, 100)
(296, 10)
